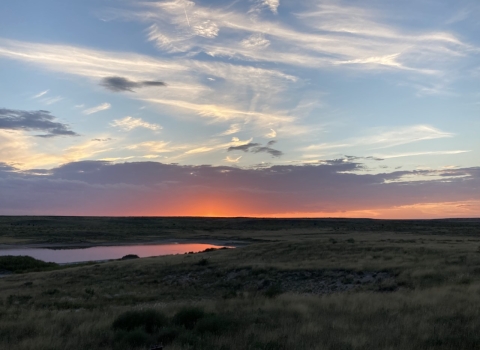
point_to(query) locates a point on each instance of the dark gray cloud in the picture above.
(150, 188)
(271, 151)
(244, 148)
(11, 119)
(118, 84)
(258, 148)
(5, 168)
(102, 140)
(355, 158)
(375, 158)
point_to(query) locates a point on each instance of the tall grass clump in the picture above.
(148, 321)
(188, 317)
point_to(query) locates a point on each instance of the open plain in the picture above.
(290, 284)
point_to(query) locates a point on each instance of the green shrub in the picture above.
(273, 291)
(147, 320)
(18, 299)
(130, 256)
(214, 324)
(190, 339)
(134, 338)
(167, 335)
(19, 264)
(203, 262)
(51, 291)
(188, 317)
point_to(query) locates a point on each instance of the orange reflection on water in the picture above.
(107, 252)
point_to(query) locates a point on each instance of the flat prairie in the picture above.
(291, 284)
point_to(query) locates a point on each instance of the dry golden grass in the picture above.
(429, 299)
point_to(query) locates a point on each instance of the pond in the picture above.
(99, 253)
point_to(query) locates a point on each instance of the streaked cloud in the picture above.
(271, 134)
(224, 113)
(187, 88)
(200, 150)
(52, 100)
(41, 94)
(254, 41)
(234, 128)
(233, 160)
(332, 34)
(96, 109)
(129, 123)
(151, 146)
(415, 154)
(272, 4)
(387, 137)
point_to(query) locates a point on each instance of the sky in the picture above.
(271, 108)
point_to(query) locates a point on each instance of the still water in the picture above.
(62, 256)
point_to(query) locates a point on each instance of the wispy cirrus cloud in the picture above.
(129, 123)
(224, 113)
(181, 151)
(333, 34)
(260, 65)
(152, 146)
(96, 109)
(272, 134)
(188, 88)
(386, 138)
(52, 100)
(234, 128)
(24, 152)
(416, 154)
(40, 94)
(233, 160)
(272, 4)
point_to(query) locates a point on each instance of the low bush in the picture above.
(130, 256)
(214, 324)
(167, 335)
(149, 321)
(203, 262)
(134, 338)
(19, 264)
(273, 291)
(188, 317)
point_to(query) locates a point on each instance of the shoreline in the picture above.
(85, 245)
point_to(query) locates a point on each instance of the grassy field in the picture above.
(300, 284)
(32, 229)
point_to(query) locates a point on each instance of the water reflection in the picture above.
(107, 252)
